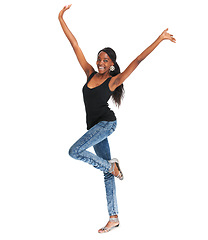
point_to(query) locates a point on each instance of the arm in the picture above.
(88, 69)
(120, 78)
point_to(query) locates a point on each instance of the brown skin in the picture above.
(101, 75)
(104, 63)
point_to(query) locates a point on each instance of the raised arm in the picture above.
(88, 69)
(120, 78)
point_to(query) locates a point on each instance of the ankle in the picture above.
(114, 216)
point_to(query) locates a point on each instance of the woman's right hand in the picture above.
(63, 10)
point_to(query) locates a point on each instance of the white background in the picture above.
(162, 134)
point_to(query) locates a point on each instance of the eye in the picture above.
(105, 61)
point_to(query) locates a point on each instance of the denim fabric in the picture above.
(92, 137)
(102, 149)
(97, 137)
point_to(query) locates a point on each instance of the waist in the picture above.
(93, 119)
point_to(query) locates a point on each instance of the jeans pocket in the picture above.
(108, 126)
(103, 124)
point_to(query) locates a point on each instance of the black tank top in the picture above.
(96, 103)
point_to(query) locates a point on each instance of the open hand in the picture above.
(166, 35)
(63, 10)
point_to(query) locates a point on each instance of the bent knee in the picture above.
(73, 152)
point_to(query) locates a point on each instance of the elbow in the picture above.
(139, 60)
(60, 17)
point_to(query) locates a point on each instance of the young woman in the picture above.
(101, 121)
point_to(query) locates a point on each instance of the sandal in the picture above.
(106, 229)
(112, 161)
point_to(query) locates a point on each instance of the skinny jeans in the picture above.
(97, 136)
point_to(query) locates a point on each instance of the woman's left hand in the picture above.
(168, 36)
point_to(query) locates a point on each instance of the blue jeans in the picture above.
(97, 137)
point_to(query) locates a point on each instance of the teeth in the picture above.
(101, 67)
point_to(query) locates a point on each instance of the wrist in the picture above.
(60, 17)
(160, 38)
(61, 13)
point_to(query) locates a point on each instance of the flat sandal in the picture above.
(105, 229)
(112, 161)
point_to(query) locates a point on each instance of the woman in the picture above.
(101, 121)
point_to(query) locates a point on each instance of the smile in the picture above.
(101, 68)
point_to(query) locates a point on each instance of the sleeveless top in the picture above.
(96, 103)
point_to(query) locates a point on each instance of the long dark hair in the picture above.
(118, 94)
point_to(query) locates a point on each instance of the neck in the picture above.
(104, 75)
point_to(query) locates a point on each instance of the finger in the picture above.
(166, 30)
(173, 40)
(67, 6)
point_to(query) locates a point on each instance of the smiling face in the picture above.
(104, 63)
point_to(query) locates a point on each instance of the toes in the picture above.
(102, 230)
